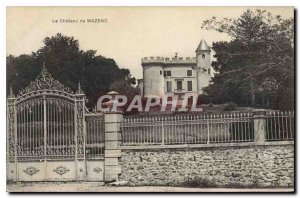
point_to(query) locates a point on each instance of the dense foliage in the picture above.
(256, 68)
(69, 65)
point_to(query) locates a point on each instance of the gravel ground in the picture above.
(99, 187)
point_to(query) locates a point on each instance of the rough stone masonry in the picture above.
(251, 166)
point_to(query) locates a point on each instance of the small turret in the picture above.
(203, 65)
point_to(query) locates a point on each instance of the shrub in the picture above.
(231, 106)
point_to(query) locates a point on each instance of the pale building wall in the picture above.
(180, 73)
(203, 65)
(153, 80)
(203, 81)
(141, 86)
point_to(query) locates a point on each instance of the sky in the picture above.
(128, 34)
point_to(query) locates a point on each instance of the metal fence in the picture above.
(205, 128)
(188, 129)
(94, 136)
(280, 125)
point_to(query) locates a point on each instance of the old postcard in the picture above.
(150, 99)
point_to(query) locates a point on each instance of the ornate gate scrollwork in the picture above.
(46, 122)
(46, 82)
(31, 170)
(79, 109)
(50, 133)
(61, 170)
(11, 129)
(50, 120)
(97, 170)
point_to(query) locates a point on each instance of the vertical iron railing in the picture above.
(30, 130)
(188, 129)
(45, 129)
(60, 128)
(280, 125)
(95, 134)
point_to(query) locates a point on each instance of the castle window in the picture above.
(160, 72)
(189, 73)
(167, 73)
(203, 56)
(169, 86)
(190, 85)
(179, 85)
(208, 71)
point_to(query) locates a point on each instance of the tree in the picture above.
(124, 87)
(20, 71)
(69, 65)
(260, 53)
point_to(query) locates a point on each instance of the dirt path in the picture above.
(99, 187)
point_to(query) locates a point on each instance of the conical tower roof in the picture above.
(202, 46)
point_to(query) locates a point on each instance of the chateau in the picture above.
(177, 75)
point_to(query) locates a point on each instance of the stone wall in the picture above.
(251, 166)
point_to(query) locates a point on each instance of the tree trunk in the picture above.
(252, 92)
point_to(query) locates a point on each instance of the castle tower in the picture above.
(203, 66)
(153, 76)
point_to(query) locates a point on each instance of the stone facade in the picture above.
(250, 166)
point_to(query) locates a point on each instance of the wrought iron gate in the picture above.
(47, 136)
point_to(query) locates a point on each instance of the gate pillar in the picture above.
(113, 120)
(80, 134)
(11, 150)
(259, 125)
